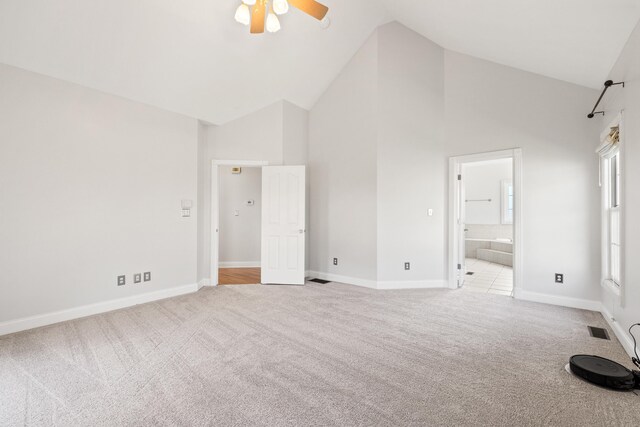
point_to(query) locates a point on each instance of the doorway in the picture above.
(485, 222)
(281, 231)
(239, 213)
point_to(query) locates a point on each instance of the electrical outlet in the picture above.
(335, 261)
(122, 280)
(559, 278)
(147, 276)
(137, 278)
(407, 266)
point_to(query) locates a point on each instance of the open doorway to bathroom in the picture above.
(485, 222)
(488, 232)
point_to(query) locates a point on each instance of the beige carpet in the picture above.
(312, 356)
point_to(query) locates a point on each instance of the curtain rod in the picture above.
(607, 85)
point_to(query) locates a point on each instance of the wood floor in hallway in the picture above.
(239, 276)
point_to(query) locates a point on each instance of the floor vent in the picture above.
(469, 273)
(320, 281)
(598, 332)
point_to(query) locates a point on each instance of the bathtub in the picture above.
(498, 251)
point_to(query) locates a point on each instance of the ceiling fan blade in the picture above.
(311, 7)
(258, 13)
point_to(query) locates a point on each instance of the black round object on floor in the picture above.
(603, 372)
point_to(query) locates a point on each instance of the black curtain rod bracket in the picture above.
(607, 85)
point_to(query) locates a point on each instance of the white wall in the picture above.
(101, 192)
(295, 151)
(276, 134)
(90, 188)
(240, 235)
(492, 107)
(257, 136)
(342, 170)
(204, 199)
(627, 69)
(483, 181)
(410, 123)
(295, 134)
(421, 93)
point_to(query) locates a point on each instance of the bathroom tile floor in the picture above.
(488, 277)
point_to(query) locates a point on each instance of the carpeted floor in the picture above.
(316, 355)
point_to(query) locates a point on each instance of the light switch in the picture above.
(430, 212)
(186, 206)
(236, 213)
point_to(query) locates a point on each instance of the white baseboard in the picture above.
(414, 284)
(621, 334)
(240, 264)
(374, 284)
(204, 282)
(367, 283)
(37, 321)
(583, 304)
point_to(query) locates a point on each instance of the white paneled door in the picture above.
(283, 225)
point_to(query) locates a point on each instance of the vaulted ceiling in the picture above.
(191, 57)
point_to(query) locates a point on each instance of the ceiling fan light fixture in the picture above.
(273, 23)
(262, 15)
(280, 7)
(243, 15)
(325, 22)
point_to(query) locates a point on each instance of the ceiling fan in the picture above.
(254, 12)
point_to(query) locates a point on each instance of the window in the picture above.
(614, 163)
(611, 163)
(613, 187)
(507, 202)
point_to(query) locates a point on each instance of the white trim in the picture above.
(367, 283)
(613, 289)
(489, 155)
(621, 334)
(623, 209)
(202, 283)
(617, 291)
(413, 284)
(518, 218)
(381, 285)
(241, 163)
(40, 320)
(454, 168)
(239, 264)
(215, 214)
(571, 302)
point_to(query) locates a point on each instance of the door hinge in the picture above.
(459, 177)
(459, 266)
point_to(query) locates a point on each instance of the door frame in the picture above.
(215, 210)
(454, 205)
